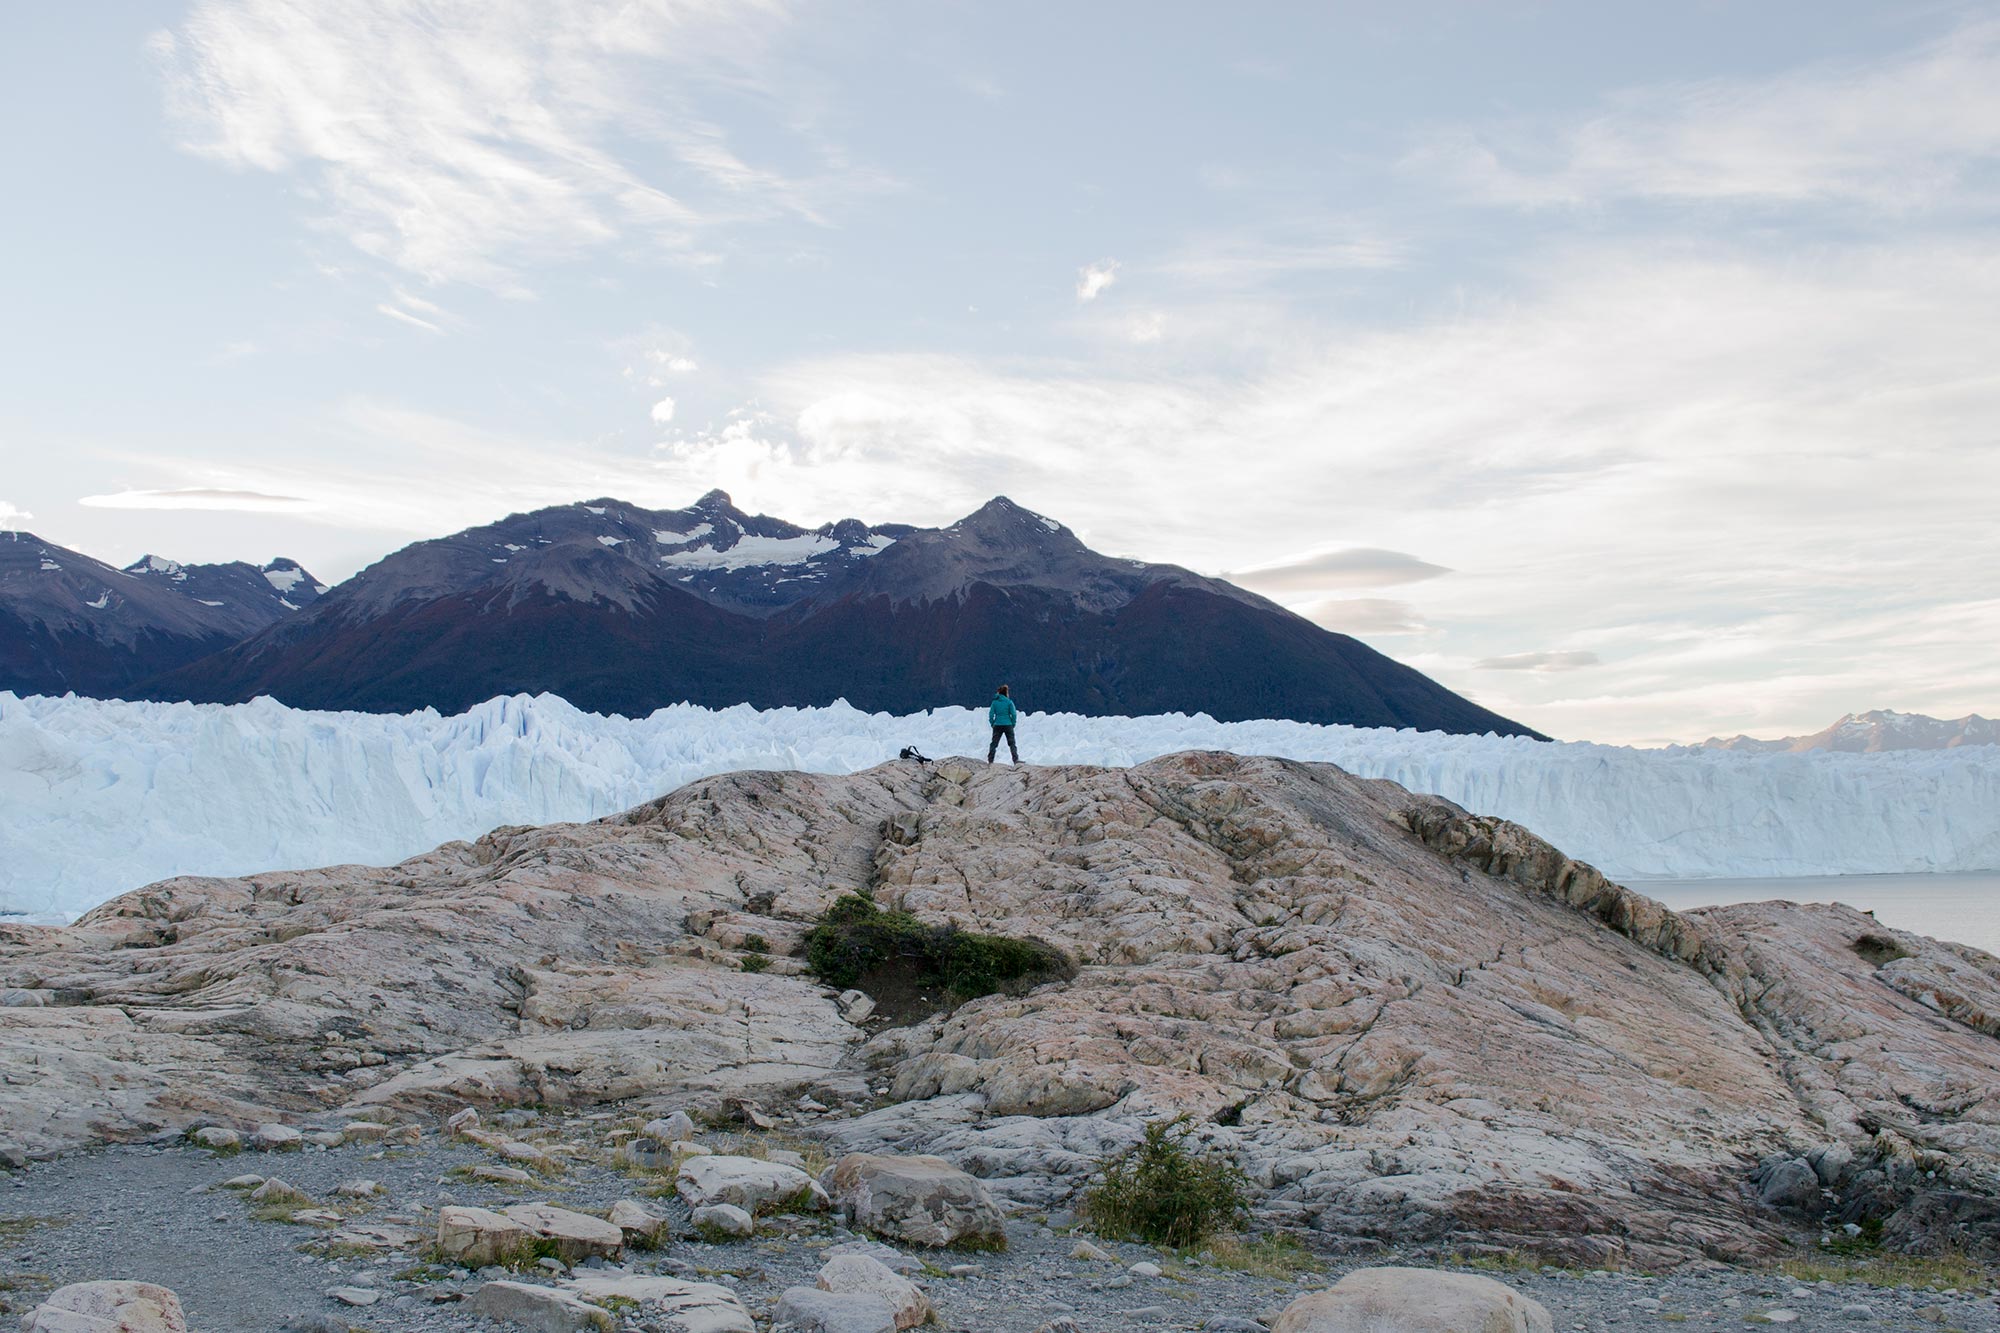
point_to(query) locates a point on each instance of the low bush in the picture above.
(1165, 1192)
(912, 968)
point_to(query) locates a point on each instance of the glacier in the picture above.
(99, 797)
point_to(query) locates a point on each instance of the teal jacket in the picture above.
(1001, 712)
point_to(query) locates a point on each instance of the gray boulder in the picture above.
(810, 1310)
(107, 1307)
(922, 1200)
(1414, 1300)
(542, 1309)
(1789, 1184)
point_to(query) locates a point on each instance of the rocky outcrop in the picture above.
(1407, 1024)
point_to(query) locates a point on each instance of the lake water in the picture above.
(1964, 908)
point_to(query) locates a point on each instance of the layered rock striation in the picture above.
(1408, 1024)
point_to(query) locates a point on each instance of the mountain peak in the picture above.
(715, 499)
(1000, 517)
(154, 564)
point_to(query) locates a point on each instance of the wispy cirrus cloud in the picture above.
(1894, 134)
(1539, 661)
(478, 137)
(197, 497)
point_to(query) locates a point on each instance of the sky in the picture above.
(1632, 369)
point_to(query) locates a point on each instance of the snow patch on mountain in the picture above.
(99, 797)
(753, 550)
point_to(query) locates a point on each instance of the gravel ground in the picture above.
(157, 1213)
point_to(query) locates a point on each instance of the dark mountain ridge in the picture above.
(72, 623)
(621, 609)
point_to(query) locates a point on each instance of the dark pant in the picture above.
(994, 748)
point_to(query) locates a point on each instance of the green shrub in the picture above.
(756, 944)
(1163, 1192)
(755, 962)
(919, 965)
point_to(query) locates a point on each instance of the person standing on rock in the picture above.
(1002, 714)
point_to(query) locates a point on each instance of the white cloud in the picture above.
(1092, 280)
(12, 517)
(196, 497)
(663, 411)
(403, 316)
(1354, 567)
(1895, 134)
(462, 139)
(1632, 454)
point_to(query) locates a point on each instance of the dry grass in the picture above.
(1276, 1256)
(1946, 1269)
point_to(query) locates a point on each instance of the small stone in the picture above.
(364, 1131)
(543, 1309)
(461, 1120)
(1083, 1249)
(962, 1270)
(751, 1184)
(857, 1274)
(668, 1128)
(13, 1156)
(244, 1182)
(218, 1138)
(1857, 1311)
(359, 1189)
(575, 1236)
(1647, 1303)
(278, 1192)
(724, 1219)
(1780, 1316)
(500, 1175)
(354, 1295)
(477, 1238)
(1144, 1268)
(276, 1138)
(642, 1225)
(1229, 1323)
(1121, 1281)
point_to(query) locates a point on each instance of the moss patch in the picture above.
(913, 970)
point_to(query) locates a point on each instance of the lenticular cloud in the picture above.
(100, 797)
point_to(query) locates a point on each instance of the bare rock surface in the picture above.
(1409, 1025)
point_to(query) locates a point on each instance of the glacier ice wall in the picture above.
(100, 797)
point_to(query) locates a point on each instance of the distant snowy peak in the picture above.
(265, 594)
(1875, 731)
(71, 622)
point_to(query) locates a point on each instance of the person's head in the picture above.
(1003, 689)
